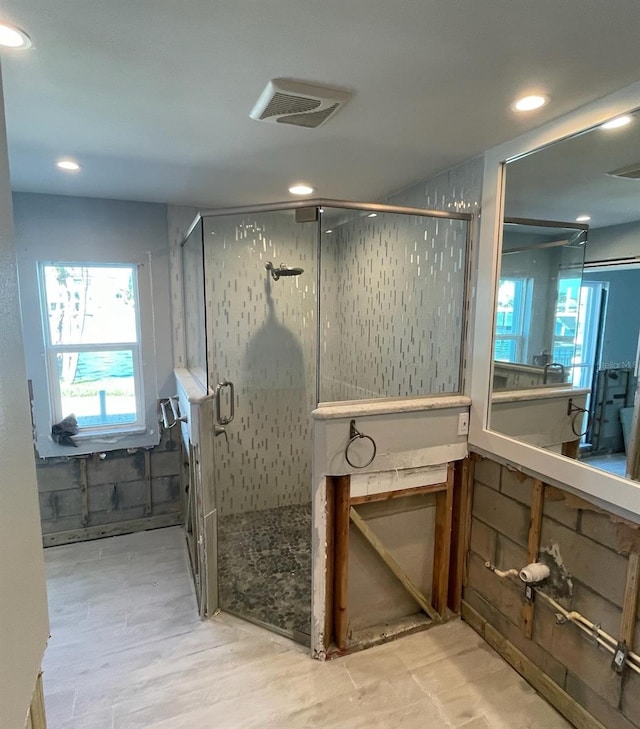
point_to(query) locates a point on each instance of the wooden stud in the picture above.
(535, 526)
(460, 530)
(37, 715)
(148, 507)
(571, 448)
(84, 491)
(342, 485)
(330, 560)
(388, 495)
(630, 602)
(386, 557)
(442, 541)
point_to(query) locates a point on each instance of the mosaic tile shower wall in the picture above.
(261, 336)
(392, 305)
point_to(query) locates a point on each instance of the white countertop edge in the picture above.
(192, 388)
(387, 407)
(537, 394)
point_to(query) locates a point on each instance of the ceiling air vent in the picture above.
(632, 172)
(303, 105)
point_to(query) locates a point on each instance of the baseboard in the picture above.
(548, 688)
(84, 534)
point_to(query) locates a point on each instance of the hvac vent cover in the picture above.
(292, 102)
(632, 172)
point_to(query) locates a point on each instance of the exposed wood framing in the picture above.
(342, 485)
(460, 530)
(148, 507)
(37, 718)
(84, 490)
(535, 526)
(386, 557)
(571, 448)
(330, 561)
(442, 549)
(630, 603)
(565, 704)
(110, 530)
(399, 493)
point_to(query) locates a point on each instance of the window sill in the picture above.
(98, 442)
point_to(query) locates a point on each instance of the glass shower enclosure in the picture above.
(295, 305)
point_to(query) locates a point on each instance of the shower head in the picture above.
(283, 270)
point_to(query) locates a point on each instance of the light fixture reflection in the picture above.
(619, 121)
(301, 189)
(529, 103)
(68, 165)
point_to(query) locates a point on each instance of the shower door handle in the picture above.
(219, 387)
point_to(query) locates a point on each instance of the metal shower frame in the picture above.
(319, 202)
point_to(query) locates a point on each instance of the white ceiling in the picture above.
(571, 178)
(153, 96)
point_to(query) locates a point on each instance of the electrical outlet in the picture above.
(463, 424)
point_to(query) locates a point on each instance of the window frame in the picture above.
(522, 318)
(53, 350)
(94, 440)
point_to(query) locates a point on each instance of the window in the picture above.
(92, 343)
(512, 319)
(565, 324)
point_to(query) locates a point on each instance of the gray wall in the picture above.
(119, 496)
(24, 624)
(614, 241)
(622, 318)
(51, 227)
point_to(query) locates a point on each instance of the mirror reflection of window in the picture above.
(512, 319)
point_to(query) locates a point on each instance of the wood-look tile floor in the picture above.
(127, 651)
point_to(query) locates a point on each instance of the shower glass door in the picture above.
(261, 273)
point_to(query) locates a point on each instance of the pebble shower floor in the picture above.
(264, 564)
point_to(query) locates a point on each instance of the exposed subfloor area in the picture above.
(264, 566)
(128, 651)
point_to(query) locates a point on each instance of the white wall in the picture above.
(23, 603)
(64, 228)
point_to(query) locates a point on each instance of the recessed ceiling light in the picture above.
(583, 218)
(301, 189)
(619, 121)
(12, 37)
(68, 164)
(372, 215)
(529, 103)
(328, 231)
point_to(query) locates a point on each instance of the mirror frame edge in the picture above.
(622, 495)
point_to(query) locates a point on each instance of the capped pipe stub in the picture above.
(534, 573)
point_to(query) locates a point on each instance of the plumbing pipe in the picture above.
(603, 638)
(534, 573)
(501, 573)
(592, 630)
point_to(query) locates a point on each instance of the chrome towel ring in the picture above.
(354, 435)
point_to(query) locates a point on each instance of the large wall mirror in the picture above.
(567, 317)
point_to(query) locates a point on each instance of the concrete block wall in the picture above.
(117, 496)
(589, 553)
